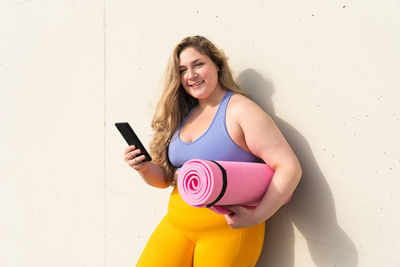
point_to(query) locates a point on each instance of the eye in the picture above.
(199, 64)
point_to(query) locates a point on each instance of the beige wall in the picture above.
(326, 71)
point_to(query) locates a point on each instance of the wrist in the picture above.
(143, 168)
(259, 216)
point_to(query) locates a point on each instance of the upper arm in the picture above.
(262, 136)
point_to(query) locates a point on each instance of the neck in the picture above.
(212, 100)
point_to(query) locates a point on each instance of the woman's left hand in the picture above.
(241, 217)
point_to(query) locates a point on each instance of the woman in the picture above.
(204, 114)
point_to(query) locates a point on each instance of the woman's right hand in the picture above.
(131, 157)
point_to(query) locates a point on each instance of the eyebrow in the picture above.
(193, 62)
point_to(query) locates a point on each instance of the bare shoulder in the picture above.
(238, 99)
(241, 106)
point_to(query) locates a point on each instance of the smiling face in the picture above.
(199, 74)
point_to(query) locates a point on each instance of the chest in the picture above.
(199, 123)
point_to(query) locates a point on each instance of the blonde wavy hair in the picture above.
(175, 103)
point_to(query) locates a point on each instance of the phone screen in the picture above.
(131, 138)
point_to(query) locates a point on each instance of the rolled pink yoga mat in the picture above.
(201, 183)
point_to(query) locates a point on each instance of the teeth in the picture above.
(195, 84)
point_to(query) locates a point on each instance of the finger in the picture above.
(140, 159)
(129, 149)
(133, 154)
(136, 161)
(133, 163)
(230, 221)
(139, 165)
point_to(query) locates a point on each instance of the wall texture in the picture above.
(326, 71)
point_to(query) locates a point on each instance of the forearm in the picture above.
(279, 191)
(153, 175)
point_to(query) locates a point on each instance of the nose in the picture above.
(192, 73)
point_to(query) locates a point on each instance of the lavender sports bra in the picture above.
(214, 144)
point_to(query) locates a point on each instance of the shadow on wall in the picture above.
(311, 210)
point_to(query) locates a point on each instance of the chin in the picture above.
(199, 93)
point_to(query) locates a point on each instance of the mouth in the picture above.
(196, 84)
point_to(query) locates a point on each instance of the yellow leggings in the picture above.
(199, 237)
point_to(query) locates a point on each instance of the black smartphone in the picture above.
(131, 138)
